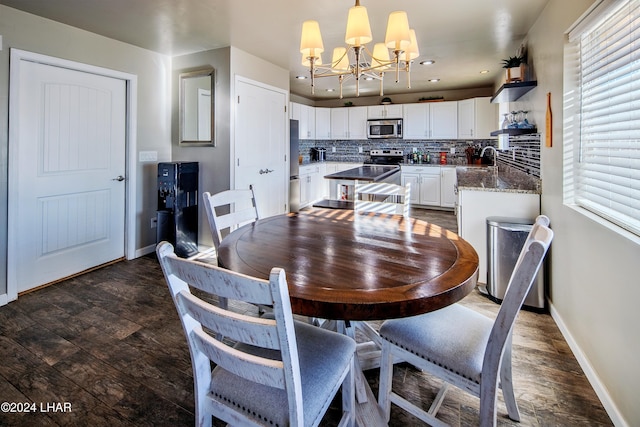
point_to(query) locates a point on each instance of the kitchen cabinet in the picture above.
(349, 123)
(443, 118)
(323, 123)
(474, 206)
(448, 180)
(425, 184)
(306, 117)
(311, 180)
(391, 111)
(477, 118)
(416, 121)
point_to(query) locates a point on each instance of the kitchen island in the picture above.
(343, 183)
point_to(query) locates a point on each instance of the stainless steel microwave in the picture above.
(390, 128)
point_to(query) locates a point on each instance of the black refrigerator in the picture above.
(177, 215)
(294, 167)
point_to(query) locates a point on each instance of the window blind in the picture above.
(607, 180)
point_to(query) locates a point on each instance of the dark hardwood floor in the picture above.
(110, 344)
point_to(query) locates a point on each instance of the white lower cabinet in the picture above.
(448, 180)
(432, 185)
(311, 180)
(474, 206)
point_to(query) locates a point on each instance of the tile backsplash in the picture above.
(526, 158)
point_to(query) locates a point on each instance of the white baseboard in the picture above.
(144, 251)
(600, 389)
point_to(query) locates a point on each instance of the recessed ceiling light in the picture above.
(331, 90)
(368, 78)
(427, 62)
(301, 77)
(484, 71)
(434, 80)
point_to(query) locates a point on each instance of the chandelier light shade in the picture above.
(398, 35)
(311, 41)
(411, 52)
(340, 60)
(355, 60)
(358, 28)
(380, 58)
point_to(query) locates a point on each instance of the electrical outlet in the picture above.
(333, 149)
(154, 222)
(360, 150)
(414, 150)
(452, 150)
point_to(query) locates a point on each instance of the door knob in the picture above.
(118, 178)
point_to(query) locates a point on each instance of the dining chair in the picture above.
(269, 370)
(228, 210)
(382, 197)
(463, 347)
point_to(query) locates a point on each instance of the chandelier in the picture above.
(355, 60)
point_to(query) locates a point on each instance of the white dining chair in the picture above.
(382, 197)
(463, 347)
(229, 210)
(278, 371)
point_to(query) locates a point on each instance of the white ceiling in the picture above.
(462, 36)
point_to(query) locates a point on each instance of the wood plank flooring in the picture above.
(110, 343)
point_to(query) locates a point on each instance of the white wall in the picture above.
(31, 33)
(213, 161)
(594, 273)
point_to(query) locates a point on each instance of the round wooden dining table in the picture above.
(351, 266)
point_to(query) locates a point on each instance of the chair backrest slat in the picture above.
(217, 282)
(262, 370)
(252, 330)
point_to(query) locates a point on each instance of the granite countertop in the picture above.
(503, 179)
(372, 173)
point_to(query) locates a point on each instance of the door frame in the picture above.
(131, 81)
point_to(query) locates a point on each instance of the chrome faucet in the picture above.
(495, 154)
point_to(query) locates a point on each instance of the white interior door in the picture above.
(67, 212)
(260, 145)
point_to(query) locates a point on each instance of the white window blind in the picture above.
(607, 167)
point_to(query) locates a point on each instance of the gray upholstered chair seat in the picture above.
(453, 337)
(318, 372)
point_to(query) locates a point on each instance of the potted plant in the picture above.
(515, 66)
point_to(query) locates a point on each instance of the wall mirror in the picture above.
(196, 108)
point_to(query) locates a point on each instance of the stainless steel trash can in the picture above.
(505, 239)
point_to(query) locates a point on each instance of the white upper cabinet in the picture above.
(391, 111)
(477, 118)
(357, 122)
(339, 123)
(416, 121)
(323, 123)
(306, 115)
(444, 120)
(349, 123)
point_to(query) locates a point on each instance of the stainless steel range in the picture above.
(385, 157)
